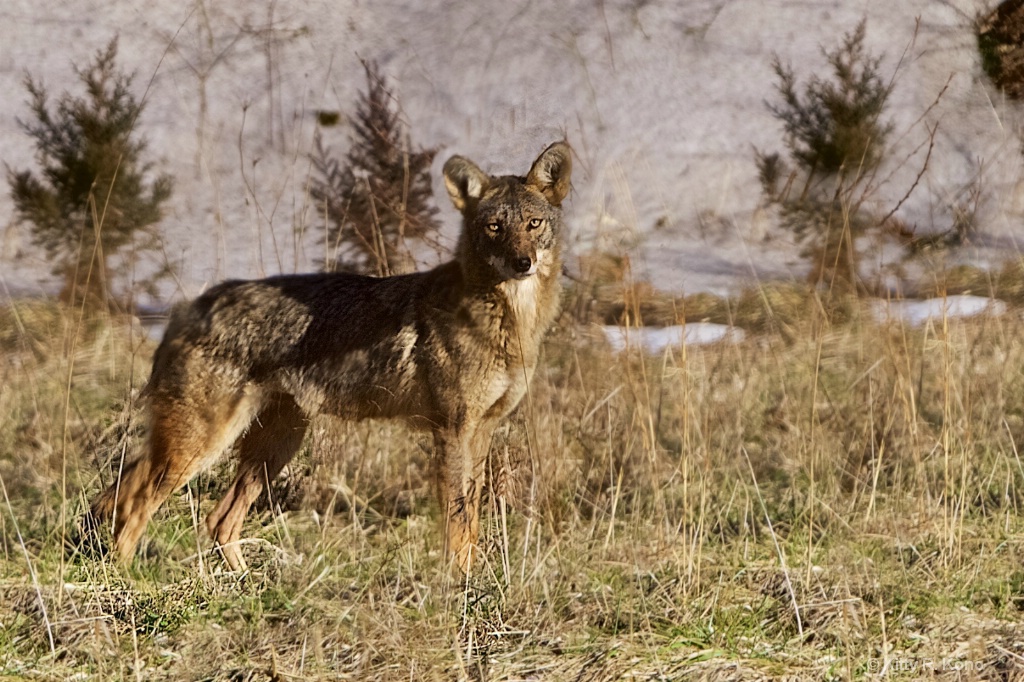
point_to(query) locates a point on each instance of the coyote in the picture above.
(451, 350)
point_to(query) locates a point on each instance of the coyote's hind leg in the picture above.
(185, 437)
(271, 442)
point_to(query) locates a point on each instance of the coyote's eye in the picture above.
(535, 223)
(494, 228)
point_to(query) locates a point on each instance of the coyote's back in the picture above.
(450, 350)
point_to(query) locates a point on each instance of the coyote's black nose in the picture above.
(523, 264)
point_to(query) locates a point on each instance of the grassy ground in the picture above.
(821, 501)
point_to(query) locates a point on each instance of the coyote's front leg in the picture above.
(461, 457)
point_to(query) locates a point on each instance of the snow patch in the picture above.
(917, 313)
(655, 340)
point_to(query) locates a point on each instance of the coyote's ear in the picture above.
(550, 172)
(464, 180)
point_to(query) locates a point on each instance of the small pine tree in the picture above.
(835, 135)
(381, 198)
(835, 127)
(92, 196)
(1000, 34)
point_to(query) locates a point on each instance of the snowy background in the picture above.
(663, 102)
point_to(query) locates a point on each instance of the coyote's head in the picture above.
(511, 224)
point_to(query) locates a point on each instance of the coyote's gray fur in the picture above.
(451, 350)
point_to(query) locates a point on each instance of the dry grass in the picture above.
(820, 501)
